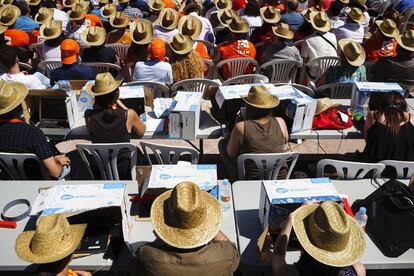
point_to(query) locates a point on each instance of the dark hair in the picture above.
(252, 8)
(335, 8)
(54, 268)
(345, 64)
(254, 113)
(402, 52)
(191, 9)
(22, 5)
(16, 113)
(8, 56)
(308, 266)
(3, 40)
(292, 5)
(390, 105)
(137, 52)
(104, 103)
(50, 4)
(239, 36)
(55, 42)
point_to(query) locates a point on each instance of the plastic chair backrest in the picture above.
(37, 49)
(349, 170)
(102, 67)
(156, 87)
(106, 158)
(193, 85)
(45, 67)
(337, 90)
(246, 79)
(322, 64)
(307, 90)
(404, 169)
(13, 165)
(120, 49)
(268, 164)
(281, 70)
(236, 66)
(163, 153)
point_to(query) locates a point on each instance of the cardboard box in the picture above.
(278, 198)
(184, 117)
(362, 90)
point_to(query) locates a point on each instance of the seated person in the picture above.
(18, 137)
(107, 123)
(59, 237)
(141, 35)
(251, 14)
(189, 240)
(71, 69)
(292, 17)
(9, 59)
(95, 37)
(167, 28)
(24, 22)
(353, 27)
(270, 17)
(119, 21)
(382, 43)
(15, 37)
(260, 132)
(319, 256)
(53, 36)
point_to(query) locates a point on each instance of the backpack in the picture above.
(332, 119)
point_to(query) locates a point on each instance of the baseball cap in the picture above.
(69, 50)
(157, 49)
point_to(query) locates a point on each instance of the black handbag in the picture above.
(390, 211)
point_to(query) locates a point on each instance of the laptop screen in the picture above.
(52, 108)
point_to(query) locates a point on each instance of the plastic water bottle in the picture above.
(362, 217)
(225, 195)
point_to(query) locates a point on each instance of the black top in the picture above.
(103, 132)
(99, 54)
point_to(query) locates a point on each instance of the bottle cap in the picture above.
(363, 210)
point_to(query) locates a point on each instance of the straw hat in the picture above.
(186, 217)
(6, 2)
(94, 36)
(387, 27)
(156, 5)
(12, 93)
(307, 13)
(103, 2)
(3, 29)
(53, 240)
(181, 44)
(168, 18)
(320, 21)
(324, 104)
(9, 15)
(283, 31)
(51, 29)
(77, 13)
(33, 2)
(83, 4)
(269, 14)
(238, 26)
(190, 25)
(69, 3)
(104, 84)
(123, 1)
(141, 31)
(328, 234)
(223, 4)
(353, 51)
(259, 97)
(406, 40)
(356, 15)
(108, 10)
(44, 15)
(225, 16)
(119, 20)
(360, 3)
(344, 1)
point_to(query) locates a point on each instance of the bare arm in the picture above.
(236, 139)
(283, 127)
(55, 165)
(135, 123)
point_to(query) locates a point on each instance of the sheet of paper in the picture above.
(161, 106)
(131, 92)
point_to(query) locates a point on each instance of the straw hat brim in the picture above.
(361, 20)
(16, 13)
(48, 37)
(226, 23)
(49, 17)
(349, 255)
(33, 3)
(290, 34)
(269, 20)
(184, 51)
(107, 16)
(323, 29)
(272, 103)
(401, 43)
(19, 97)
(146, 40)
(358, 61)
(173, 25)
(326, 107)
(197, 31)
(123, 25)
(394, 33)
(56, 251)
(90, 88)
(187, 238)
(81, 16)
(66, 5)
(99, 42)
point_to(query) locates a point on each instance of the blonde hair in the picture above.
(187, 66)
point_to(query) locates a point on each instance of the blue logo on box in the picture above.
(66, 197)
(165, 176)
(281, 190)
(114, 185)
(83, 100)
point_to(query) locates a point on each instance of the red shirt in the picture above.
(17, 38)
(236, 49)
(376, 48)
(239, 4)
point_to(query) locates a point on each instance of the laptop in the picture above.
(52, 112)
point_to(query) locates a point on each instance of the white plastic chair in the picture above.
(268, 164)
(307, 90)
(156, 87)
(321, 63)
(106, 158)
(168, 155)
(404, 169)
(236, 67)
(349, 170)
(120, 49)
(102, 67)
(193, 85)
(13, 165)
(45, 67)
(280, 70)
(336, 90)
(246, 79)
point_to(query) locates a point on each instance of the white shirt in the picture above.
(29, 80)
(254, 21)
(164, 34)
(336, 22)
(59, 15)
(51, 54)
(350, 30)
(151, 70)
(77, 35)
(207, 30)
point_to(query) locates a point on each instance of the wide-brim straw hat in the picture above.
(51, 29)
(328, 234)
(104, 84)
(320, 21)
(324, 104)
(141, 31)
(223, 4)
(344, 1)
(44, 15)
(353, 51)
(77, 13)
(103, 2)
(186, 217)
(260, 97)
(94, 36)
(157, 5)
(119, 20)
(53, 240)
(269, 14)
(69, 3)
(357, 15)
(168, 19)
(238, 25)
(360, 3)
(33, 2)
(123, 1)
(108, 10)
(283, 31)
(190, 25)
(6, 2)
(307, 13)
(12, 93)
(181, 44)
(9, 15)
(225, 16)
(406, 40)
(388, 27)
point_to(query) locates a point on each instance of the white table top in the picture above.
(246, 203)
(140, 233)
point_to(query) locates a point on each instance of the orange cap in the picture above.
(69, 50)
(157, 49)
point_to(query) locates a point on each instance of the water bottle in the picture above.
(225, 195)
(362, 217)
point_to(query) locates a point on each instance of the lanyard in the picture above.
(11, 121)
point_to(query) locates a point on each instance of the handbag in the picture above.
(332, 119)
(390, 211)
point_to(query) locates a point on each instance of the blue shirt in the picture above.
(404, 5)
(25, 24)
(293, 19)
(72, 72)
(98, 13)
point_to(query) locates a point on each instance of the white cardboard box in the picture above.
(230, 92)
(362, 90)
(168, 176)
(184, 117)
(278, 197)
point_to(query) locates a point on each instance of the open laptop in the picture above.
(52, 112)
